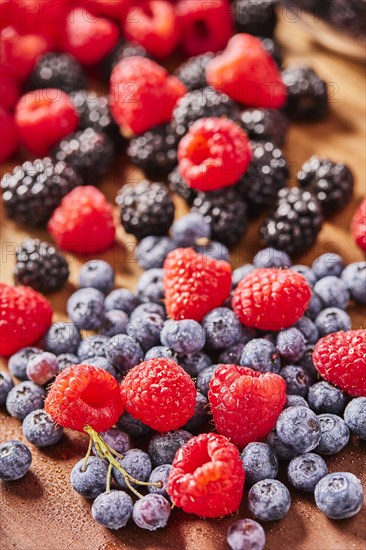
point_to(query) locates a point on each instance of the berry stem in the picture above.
(88, 453)
(109, 475)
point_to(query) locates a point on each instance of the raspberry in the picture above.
(83, 394)
(43, 118)
(9, 89)
(194, 284)
(142, 94)
(25, 316)
(153, 24)
(83, 223)
(207, 476)
(358, 227)
(113, 9)
(19, 53)
(121, 51)
(247, 73)
(340, 358)
(245, 403)
(213, 154)
(206, 26)
(8, 129)
(160, 394)
(271, 298)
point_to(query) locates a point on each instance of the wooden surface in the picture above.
(42, 512)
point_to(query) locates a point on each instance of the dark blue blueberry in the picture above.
(122, 299)
(162, 447)
(90, 480)
(117, 439)
(39, 428)
(151, 512)
(66, 360)
(200, 415)
(305, 471)
(333, 292)
(6, 384)
(246, 534)
(308, 329)
(315, 306)
(214, 250)
(328, 264)
(92, 346)
(204, 377)
(324, 398)
(240, 272)
(42, 368)
(232, 354)
(97, 274)
(186, 336)
(86, 308)
(259, 462)
(222, 328)
(24, 398)
(306, 271)
(295, 401)
(260, 355)
(158, 352)
(194, 363)
(334, 434)
(62, 338)
(115, 322)
(146, 330)
(355, 416)
(339, 495)
(160, 475)
(137, 463)
(189, 228)
(307, 363)
(15, 460)
(291, 344)
(281, 451)
(18, 362)
(123, 352)
(298, 428)
(132, 426)
(102, 363)
(152, 251)
(113, 509)
(150, 286)
(332, 319)
(269, 500)
(147, 308)
(354, 277)
(271, 257)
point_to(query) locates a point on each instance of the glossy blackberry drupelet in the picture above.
(146, 209)
(294, 223)
(307, 96)
(90, 153)
(257, 17)
(274, 49)
(266, 175)
(192, 72)
(113, 509)
(331, 182)
(15, 460)
(179, 186)
(32, 191)
(57, 70)
(94, 112)
(267, 125)
(120, 51)
(41, 266)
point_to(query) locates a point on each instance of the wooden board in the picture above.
(42, 512)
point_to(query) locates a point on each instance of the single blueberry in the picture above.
(85, 307)
(259, 462)
(308, 329)
(328, 264)
(260, 355)
(137, 464)
(42, 368)
(222, 328)
(246, 534)
(39, 428)
(151, 512)
(93, 346)
(200, 415)
(332, 319)
(132, 426)
(18, 362)
(102, 363)
(97, 274)
(271, 257)
(291, 344)
(307, 362)
(240, 272)
(62, 338)
(152, 251)
(6, 384)
(122, 299)
(146, 308)
(324, 398)
(150, 286)
(160, 475)
(189, 228)
(355, 417)
(158, 352)
(334, 434)
(333, 292)
(298, 428)
(315, 306)
(306, 271)
(295, 401)
(15, 460)
(146, 330)
(66, 360)
(89, 480)
(232, 354)
(24, 398)
(117, 439)
(115, 322)
(354, 277)
(186, 336)
(339, 495)
(306, 470)
(281, 451)
(123, 352)
(162, 447)
(113, 509)
(194, 363)
(269, 500)
(214, 250)
(298, 380)
(204, 377)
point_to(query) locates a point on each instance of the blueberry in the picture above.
(355, 416)
(315, 306)
(354, 277)
(328, 264)
(42, 368)
(307, 363)
(194, 363)
(18, 362)
(90, 481)
(92, 346)
(204, 377)
(15, 460)
(334, 434)
(6, 384)
(189, 228)
(147, 308)
(123, 352)
(333, 292)
(259, 462)
(199, 417)
(240, 272)
(270, 257)
(281, 451)
(162, 447)
(24, 398)
(305, 471)
(295, 401)
(115, 322)
(291, 344)
(222, 328)
(146, 330)
(150, 287)
(232, 354)
(160, 474)
(102, 363)
(152, 251)
(306, 271)
(214, 250)
(113, 509)
(66, 360)
(308, 329)
(151, 512)
(339, 495)
(332, 319)
(117, 439)
(246, 534)
(62, 338)
(132, 426)
(186, 336)
(122, 299)
(39, 428)
(298, 428)
(324, 398)
(137, 463)
(97, 274)
(298, 380)
(269, 500)
(85, 307)
(260, 355)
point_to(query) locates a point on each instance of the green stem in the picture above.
(108, 488)
(88, 452)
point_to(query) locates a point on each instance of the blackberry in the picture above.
(146, 209)
(57, 70)
(202, 103)
(41, 266)
(307, 96)
(89, 152)
(348, 16)
(274, 49)
(294, 222)
(265, 125)
(257, 17)
(120, 51)
(94, 112)
(155, 151)
(266, 175)
(226, 212)
(179, 186)
(331, 182)
(33, 190)
(192, 72)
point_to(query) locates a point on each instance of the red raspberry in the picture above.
(207, 476)
(113, 9)
(358, 227)
(340, 358)
(84, 394)
(89, 38)
(160, 394)
(214, 153)
(194, 284)
(153, 24)
(43, 117)
(206, 26)
(7, 128)
(9, 89)
(25, 316)
(83, 222)
(245, 403)
(142, 94)
(247, 73)
(19, 53)
(271, 298)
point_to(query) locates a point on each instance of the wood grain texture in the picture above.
(41, 511)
